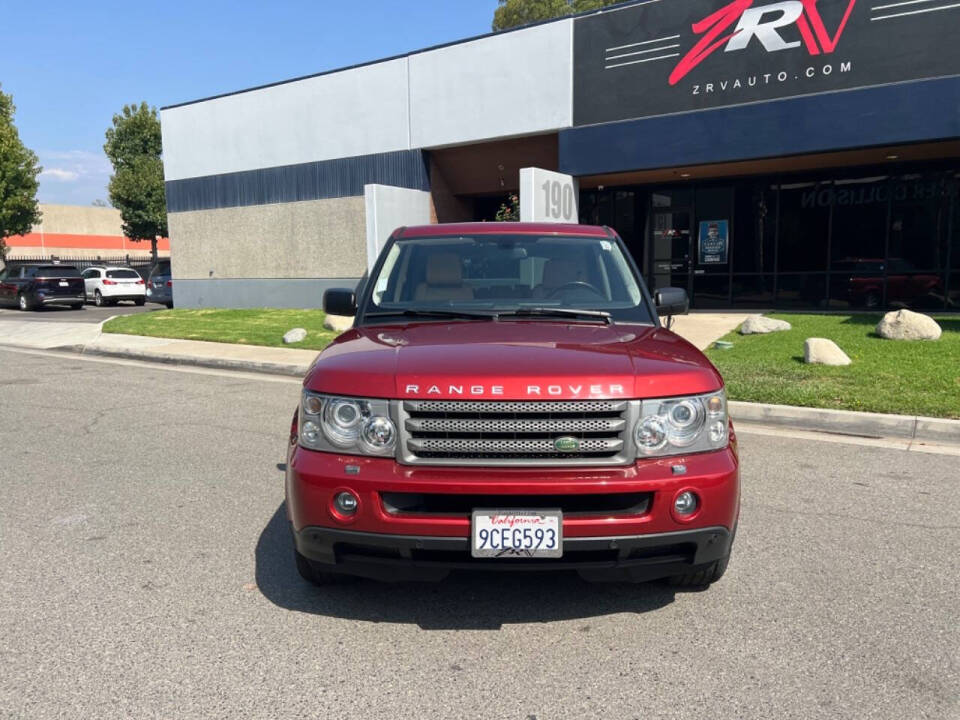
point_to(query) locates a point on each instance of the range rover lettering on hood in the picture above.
(531, 390)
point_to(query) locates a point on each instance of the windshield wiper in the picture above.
(600, 315)
(425, 312)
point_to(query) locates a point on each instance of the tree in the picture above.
(512, 13)
(136, 189)
(19, 211)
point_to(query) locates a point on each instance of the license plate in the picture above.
(64, 283)
(516, 533)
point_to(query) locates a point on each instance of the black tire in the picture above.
(309, 572)
(702, 576)
(98, 299)
(23, 302)
(77, 306)
(169, 305)
(139, 302)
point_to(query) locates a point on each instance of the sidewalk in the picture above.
(703, 328)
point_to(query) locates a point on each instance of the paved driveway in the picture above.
(90, 313)
(146, 572)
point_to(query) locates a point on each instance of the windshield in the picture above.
(508, 273)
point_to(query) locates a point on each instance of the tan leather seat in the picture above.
(444, 280)
(556, 273)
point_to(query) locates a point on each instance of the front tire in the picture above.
(309, 572)
(98, 299)
(139, 302)
(24, 302)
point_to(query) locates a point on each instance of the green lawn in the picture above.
(246, 327)
(887, 376)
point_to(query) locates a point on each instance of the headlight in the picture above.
(675, 426)
(350, 425)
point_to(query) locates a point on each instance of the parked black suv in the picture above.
(31, 286)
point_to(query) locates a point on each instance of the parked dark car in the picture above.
(160, 284)
(32, 286)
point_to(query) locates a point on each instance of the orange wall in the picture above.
(108, 243)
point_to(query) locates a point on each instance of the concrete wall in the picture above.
(342, 114)
(508, 84)
(256, 292)
(388, 208)
(313, 239)
(79, 231)
(516, 83)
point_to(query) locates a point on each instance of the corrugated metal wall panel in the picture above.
(343, 177)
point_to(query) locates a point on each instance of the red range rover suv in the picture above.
(508, 399)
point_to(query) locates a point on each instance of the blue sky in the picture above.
(71, 65)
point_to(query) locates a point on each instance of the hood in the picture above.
(511, 360)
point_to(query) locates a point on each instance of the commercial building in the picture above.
(80, 232)
(796, 154)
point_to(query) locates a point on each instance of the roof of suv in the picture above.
(502, 228)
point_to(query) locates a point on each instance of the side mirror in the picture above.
(340, 301)
(671, 301)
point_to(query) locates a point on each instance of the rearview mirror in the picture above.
(671, 301)
(340, 301)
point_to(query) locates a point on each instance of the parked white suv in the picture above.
(107, 284)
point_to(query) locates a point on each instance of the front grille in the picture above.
(516, 433)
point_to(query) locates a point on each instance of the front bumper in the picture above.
(639, 543)
(411, 557)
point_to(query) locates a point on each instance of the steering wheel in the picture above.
(575, 284)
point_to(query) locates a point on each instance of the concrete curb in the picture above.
(842, 422)
(291, 370)
(849, 422)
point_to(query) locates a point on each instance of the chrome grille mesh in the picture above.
(515, 433)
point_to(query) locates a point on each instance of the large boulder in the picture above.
(294, 336)
(760, 325)
(907, 325)
(338, 323)
(824, 352)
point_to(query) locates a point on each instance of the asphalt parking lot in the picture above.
(146, 571)
(90, 313)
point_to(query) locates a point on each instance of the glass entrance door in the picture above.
(671, 249)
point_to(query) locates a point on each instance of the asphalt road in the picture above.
(90, 313)
(145, 571)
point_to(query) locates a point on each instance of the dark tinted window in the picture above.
(55, 271)
(804, 226)
(129, 274)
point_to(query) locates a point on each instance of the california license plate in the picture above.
(64, 283)
(516, 534)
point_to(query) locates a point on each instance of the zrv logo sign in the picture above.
(666, 56)
(762, 23)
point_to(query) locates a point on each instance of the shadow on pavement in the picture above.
(469, 601)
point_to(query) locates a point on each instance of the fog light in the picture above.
(310, 431)
(346, 503)
(685, 503)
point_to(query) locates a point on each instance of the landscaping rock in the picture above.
(824, 352)
(294, 336)
(907, 325)
(760, 325)
(338, 323)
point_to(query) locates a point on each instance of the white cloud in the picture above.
(59, 174)
(73, 177)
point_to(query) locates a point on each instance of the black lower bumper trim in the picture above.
(411, 557)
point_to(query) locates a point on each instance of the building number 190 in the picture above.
(559, 201)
